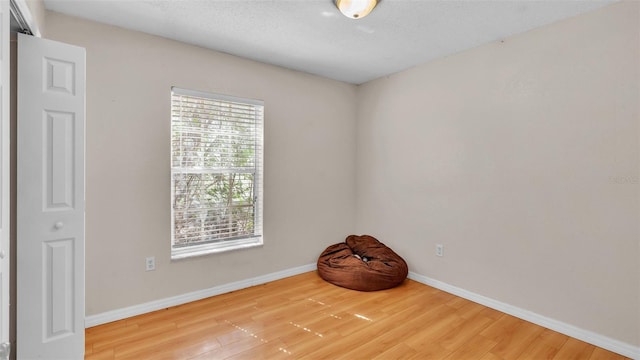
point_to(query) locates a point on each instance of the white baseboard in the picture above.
(140, 309)
(559, 326)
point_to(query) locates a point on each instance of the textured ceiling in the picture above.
(312, 36)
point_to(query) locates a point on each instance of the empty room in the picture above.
(211, 170)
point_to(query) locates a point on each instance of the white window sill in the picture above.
(214, 248)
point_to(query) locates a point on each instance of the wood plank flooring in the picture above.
(304, 317)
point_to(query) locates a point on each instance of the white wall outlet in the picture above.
(439, 250)
(150, 263)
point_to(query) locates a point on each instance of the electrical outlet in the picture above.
(150, 263)
(439, 250)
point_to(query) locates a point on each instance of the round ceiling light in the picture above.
(356, 9)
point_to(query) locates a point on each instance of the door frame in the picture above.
(20, 13)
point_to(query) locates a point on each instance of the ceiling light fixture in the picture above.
(356, 9)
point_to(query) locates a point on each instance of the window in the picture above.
(216, 173)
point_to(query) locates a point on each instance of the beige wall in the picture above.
(309, 163)
(522, 158)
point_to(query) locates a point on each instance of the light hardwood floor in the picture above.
(304, 317)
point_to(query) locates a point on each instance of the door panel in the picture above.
(50, 208)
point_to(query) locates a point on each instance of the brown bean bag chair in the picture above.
(362, 263)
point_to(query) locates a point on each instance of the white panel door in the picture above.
(51, 202)
(4, 179)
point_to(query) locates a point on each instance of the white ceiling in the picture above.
(312, 36)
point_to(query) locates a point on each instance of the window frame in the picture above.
(230, 244)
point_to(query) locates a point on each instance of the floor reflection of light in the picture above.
(246, 331)
(256, 336)
(335, 316)
(362, 317)
(305, 329)
(316, 301)
(323, 304)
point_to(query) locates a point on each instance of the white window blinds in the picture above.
(216, 172)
